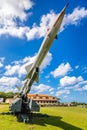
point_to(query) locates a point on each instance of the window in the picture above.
(47, 97)
(40, 97)
(34, 97)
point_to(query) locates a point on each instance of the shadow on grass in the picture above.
(54, 121)
(43, 120)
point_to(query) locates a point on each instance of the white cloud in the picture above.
(46, 61)
(71, 83)
(1, 65)
(66, 81)
(27, 59)
(84, 82)
(14, 13)
(62, 70)
(65, 96)
(47, 20)
(75, 17)
(40, 88)
(9, 10)
(84, 69)
(78, 86)
(19, 66)
(12, 16)
(12, 70)
(60, 92)
(9, 83)
(1, 61)
(8, 89)
(13, 31)
(81, 86)
(51, 91)
(85, 87)
(41, 30)
(76, 67)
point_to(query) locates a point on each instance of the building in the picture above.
(1, 100)
(9, 100)
(43, 99)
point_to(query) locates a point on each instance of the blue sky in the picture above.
(23, 26)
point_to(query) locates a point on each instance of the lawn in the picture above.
(60, 118)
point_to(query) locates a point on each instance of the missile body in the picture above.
(33, 69)
(47, 42)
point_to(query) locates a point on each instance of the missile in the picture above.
(33, 69)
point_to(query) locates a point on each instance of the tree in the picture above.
(7, 95)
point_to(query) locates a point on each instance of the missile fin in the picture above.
(28, 76)
(18, 88)
(28, 67)
(37, 78)
(56, 37)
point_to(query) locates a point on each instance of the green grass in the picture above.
(61, 118)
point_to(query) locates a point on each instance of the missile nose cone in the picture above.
(61, 15)
(67, 5)
(64, 9)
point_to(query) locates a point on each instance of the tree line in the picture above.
(6, 95)
(78, 103)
